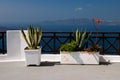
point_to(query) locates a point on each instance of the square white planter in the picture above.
(33, 57)
(80, 57)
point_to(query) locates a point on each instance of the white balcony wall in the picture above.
(15, 46)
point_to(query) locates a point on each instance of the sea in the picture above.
(66, 28)
(111, 28)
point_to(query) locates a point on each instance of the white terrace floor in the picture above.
(51, 71)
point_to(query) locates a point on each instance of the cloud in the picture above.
(79, 9)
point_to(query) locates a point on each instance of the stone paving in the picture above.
(55, 71)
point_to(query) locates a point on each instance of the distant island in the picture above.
(79, 22)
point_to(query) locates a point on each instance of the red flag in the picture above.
(98, 20)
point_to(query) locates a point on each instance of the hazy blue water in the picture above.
(88, 28)
(111, 28)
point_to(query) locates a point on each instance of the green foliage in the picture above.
(33, 37)
(69, 46)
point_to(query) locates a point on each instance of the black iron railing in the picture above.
(109, 41)
(3, 42)
(51, 41)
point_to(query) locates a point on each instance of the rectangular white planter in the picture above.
(33, 57)
(80, 57)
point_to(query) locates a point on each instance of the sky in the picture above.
(35, 11)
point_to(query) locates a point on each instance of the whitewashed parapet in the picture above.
(15, 46)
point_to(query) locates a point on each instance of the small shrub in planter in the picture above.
(94, 48)
(69, 46)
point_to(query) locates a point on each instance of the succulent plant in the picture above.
(33, 37)
(81, 39)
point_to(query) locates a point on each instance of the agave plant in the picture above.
(33, 37)
(81, 39)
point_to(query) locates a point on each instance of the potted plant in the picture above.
(75, 52)
(33, 50)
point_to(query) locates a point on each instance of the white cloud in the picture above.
(78, 9)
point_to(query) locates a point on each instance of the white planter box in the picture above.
(33, 57)
(81, 57)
